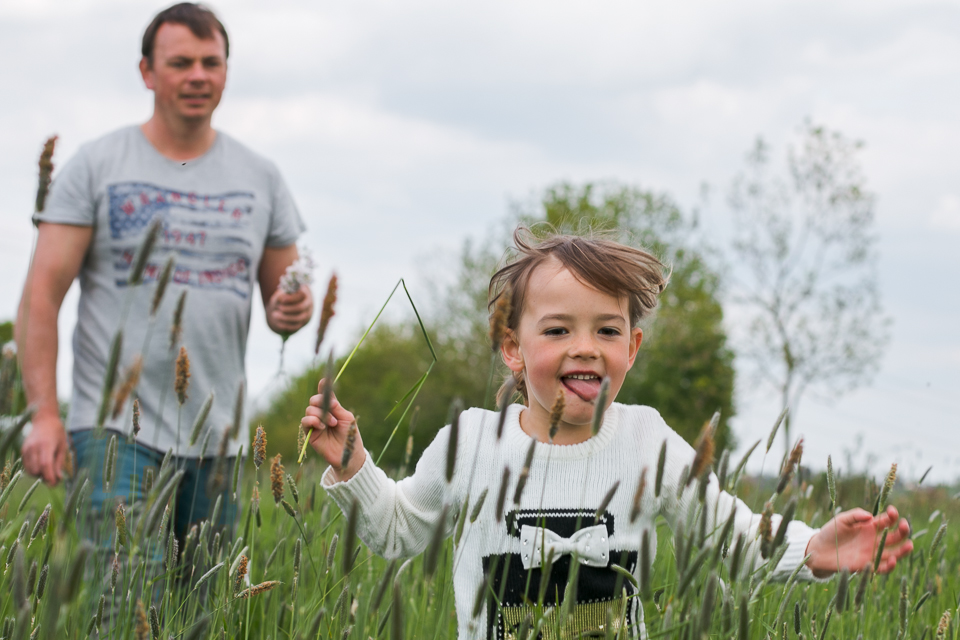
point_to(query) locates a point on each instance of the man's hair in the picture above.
(199, 19)
(602, 264)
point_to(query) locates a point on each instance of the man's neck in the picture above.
(179, 140)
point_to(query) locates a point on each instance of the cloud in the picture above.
(946, 216)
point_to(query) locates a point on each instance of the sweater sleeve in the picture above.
(682, 509)
(397, 519)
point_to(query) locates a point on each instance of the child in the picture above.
(574, 307)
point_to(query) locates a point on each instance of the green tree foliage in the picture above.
(685, 369)
(12, 399)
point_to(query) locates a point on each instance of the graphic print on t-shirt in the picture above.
(597, 583)
(208, 232)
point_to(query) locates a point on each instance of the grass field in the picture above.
(307, 575)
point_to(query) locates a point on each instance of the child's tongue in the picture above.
(586, 389)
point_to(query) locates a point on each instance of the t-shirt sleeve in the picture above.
(71, 199)
(285, 222)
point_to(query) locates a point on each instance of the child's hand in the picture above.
(330, 439)
(851, 539)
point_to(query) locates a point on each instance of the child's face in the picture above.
(569, 337)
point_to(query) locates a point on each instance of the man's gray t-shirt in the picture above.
(219, 212)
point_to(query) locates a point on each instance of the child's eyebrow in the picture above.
(566, 317)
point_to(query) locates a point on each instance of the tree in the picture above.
(805, 265)
(685, 369)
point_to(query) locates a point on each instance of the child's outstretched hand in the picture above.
(330, 439)
(852, 538)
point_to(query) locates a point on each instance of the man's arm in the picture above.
(56, 262)
(286, 312)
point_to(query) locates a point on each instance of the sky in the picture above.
(405, 128)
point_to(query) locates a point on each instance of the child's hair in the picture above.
(605, 265)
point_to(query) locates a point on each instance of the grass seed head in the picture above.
(888, 483)
(136, 417)
(765, 531)
(475, 513)
(776, 427)
(276, 478)
(114, 572)
(326, 311)
(42, 580)
(109, 380)
(241, 574)
(293, 488)
(840, 600)
(182, 381)
(332, 551)
(130, 381)
(454, 440)
(350, 537)
(500, 318)
(142, 630)
(258, 589)
(638, 496)
(162, 283)
(260, 446)
(831, 483)
(154, 623)
(944, 625)
(121, 521)
(238, 412)
(599, 406)
(144, 251)
(790, 466)
(348, 447)
(296, 557)
(703, 457)
(301, 440)
(904, 603)
(176, 327)
(502, 495)
(201, 418)
(110, 462)
(524, 472)
(606, 501)
(661, 464)
(40, 528)
(46, 172)
(556, 413)
(504, 398)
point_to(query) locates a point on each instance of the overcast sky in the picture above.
(403, 128)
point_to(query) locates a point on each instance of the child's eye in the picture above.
(555, 331)
(610, 331)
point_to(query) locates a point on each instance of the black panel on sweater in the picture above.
(594, 584)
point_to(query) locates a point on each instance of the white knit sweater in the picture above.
(565, 487)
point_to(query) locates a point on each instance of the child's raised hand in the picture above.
(330, 438)
(851, 539)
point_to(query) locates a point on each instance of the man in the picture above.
(227, 218)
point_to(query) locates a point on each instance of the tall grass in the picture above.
(294, 569)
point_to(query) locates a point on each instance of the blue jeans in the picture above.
(191, 499)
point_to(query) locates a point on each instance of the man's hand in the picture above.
(289, 312)
(850, 541)
(45, 448)
(329, 439)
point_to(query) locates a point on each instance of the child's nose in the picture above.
(584, 346)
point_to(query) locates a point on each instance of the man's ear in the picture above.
(511, 353)
(146, 72)
(636, 337)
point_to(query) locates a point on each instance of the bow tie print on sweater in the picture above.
(592, 546)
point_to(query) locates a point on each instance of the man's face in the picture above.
(187, 75)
